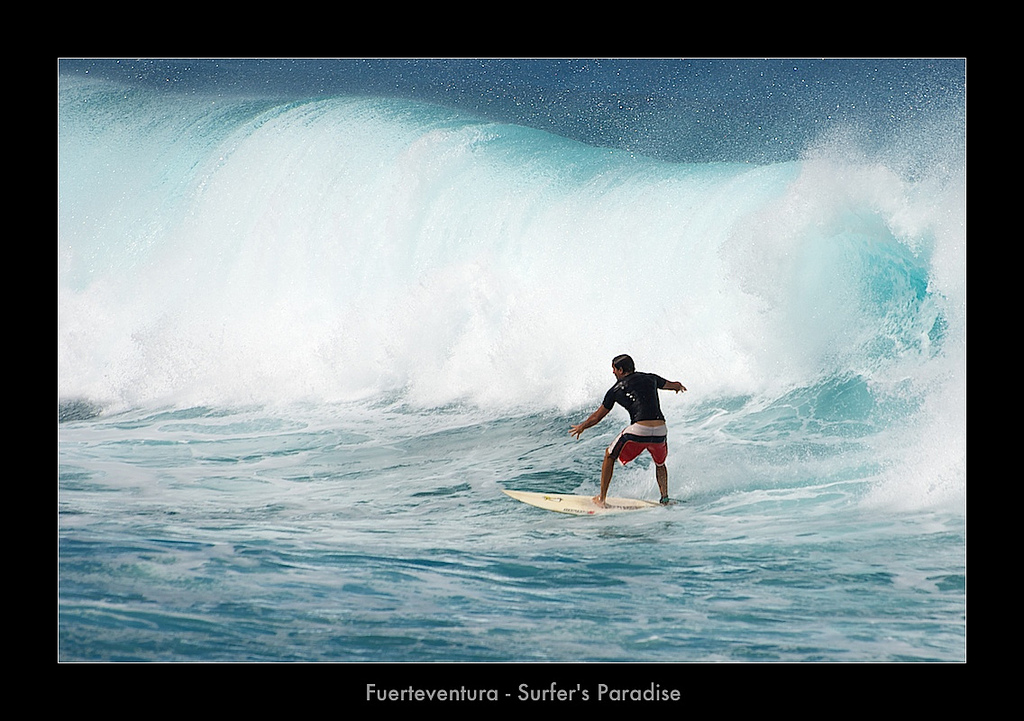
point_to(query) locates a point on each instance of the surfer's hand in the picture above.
(576, 430)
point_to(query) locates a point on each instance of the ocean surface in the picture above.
(313, 317)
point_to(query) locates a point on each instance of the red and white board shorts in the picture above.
(636, 439)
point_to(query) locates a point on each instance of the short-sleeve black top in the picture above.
(638, 394)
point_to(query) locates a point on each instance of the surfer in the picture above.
(638, 394)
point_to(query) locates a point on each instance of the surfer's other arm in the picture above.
(591, 421)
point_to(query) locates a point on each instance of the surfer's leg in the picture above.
(606, 477)
(661, 473)
(659, 452)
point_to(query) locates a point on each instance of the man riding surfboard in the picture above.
(638, 394)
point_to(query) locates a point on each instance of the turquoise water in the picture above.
(305, 342)
(211, 535)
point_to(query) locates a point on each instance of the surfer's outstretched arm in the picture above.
(674, 386)
(592, 420)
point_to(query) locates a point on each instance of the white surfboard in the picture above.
(579, 505)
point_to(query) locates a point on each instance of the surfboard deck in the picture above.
(579, 505)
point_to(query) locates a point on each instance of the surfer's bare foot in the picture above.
(599, 502)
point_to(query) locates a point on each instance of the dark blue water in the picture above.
(696, 110)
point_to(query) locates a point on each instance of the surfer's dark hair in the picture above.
(624, 363)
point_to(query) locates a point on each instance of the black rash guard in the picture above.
(638, 394)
